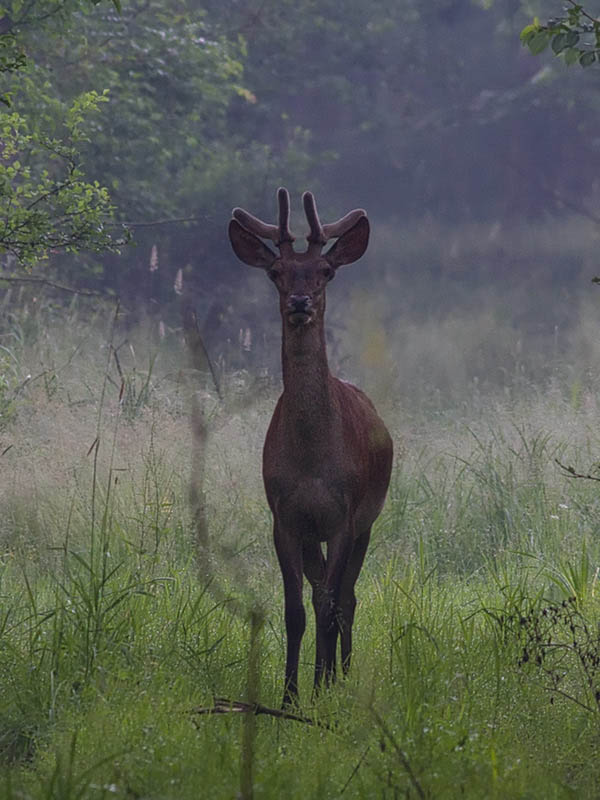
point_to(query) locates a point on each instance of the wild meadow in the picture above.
(476, 667)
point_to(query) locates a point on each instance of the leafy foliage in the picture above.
(559, 641)
(170, 81)
(575, 37)
(46, 204)
(211, 104)
(12, 58)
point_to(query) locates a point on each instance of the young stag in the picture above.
(327, 456)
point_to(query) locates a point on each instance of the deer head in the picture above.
(300, 278)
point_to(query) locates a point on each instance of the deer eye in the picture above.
(273, 274)
(328, 273)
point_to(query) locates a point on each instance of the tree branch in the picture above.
(571, 473)
(53, 285)
(583, 12)
(168, 221)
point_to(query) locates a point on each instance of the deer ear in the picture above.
(350, 246)
(249, 248)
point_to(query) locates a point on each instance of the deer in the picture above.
(327, 456)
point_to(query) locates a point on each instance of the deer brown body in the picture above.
(327, 456)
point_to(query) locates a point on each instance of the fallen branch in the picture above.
(400, 752)
(355, 770)
(224, 706)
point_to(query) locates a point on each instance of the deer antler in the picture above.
(321, 234)
(279, 233)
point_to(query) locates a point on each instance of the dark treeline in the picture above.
(430, 115)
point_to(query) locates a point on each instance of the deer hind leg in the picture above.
(289, 553)
(339, 549)
(347, 599)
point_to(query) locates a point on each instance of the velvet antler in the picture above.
(280, 233)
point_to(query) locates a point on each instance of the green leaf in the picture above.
(587, 59)
(528, 33)
(574, 14)
(539, 42)
(559, 43)
(572, 38)
(571, 56)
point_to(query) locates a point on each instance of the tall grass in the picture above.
(111, 637)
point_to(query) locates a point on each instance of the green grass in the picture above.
(474, 674)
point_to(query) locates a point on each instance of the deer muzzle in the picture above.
(299, 309)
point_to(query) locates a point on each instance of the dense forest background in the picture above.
(476, 162)
(139, 585)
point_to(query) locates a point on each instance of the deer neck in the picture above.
(306, 378)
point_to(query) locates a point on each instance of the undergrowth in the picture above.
(475, 669)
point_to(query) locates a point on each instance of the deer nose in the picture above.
(299, 303)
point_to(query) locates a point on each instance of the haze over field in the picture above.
(138, 578)
(477, 164)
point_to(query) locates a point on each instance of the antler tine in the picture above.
(279, 233)
(321, 234)
(316, 235)
(255, 225)
(283, 199)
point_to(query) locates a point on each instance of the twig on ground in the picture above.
(400, 752)
(224, 706)
(355, 770)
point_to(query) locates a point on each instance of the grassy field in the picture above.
(477, 654)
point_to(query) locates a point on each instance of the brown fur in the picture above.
(327, 456)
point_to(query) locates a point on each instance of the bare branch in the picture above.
(224, 706)
(151, 223)
(193, 339)
(571, 473)
(53, 285)
(582, 11)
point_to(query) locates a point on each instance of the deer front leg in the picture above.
(347, 601)
(314, 569)
(289, 553)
